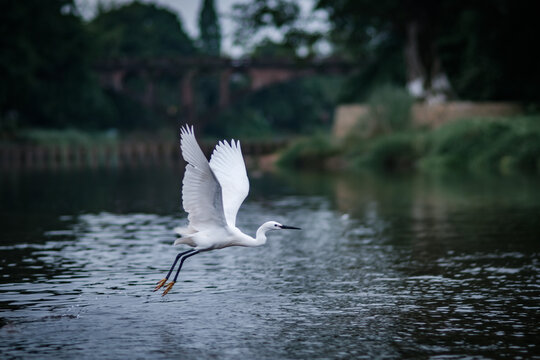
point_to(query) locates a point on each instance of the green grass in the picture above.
(66, 137)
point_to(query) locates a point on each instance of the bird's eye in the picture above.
(275, 225)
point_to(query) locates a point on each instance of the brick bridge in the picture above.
(260, 73)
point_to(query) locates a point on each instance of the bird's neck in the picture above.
(260, 238)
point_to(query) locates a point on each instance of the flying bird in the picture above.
(212, 193)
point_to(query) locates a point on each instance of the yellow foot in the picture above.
(168, 288)
(160, 284)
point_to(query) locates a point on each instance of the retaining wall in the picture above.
(353, 116)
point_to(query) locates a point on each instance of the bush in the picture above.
(390, 108)
(391, 152)
(500, 145)
(454, 144)
(308, 153)
(513, 152)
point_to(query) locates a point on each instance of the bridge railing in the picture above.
(20, 156)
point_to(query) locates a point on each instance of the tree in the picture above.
(256, 18)
(368, 27)
(488, 49)
(140, 30)
(302, 105)
(484, 47)
(45, 67)
(298, 106)
(210, 37)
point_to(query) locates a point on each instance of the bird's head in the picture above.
(274, 225)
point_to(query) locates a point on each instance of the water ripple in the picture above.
(365, 285)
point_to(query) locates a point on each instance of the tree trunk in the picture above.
(416, 73)
(425, 78)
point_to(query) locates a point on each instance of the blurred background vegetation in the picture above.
(405, 52)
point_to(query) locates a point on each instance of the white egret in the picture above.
(212, 193)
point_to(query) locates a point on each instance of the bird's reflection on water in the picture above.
(408, 267)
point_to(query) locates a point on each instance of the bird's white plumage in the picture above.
(229, 168)
(212, 193)
(201, 192)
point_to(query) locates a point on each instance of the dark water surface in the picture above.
(384, 268)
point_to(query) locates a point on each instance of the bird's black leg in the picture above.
(171, 284)
(163, 281)
(182, 263)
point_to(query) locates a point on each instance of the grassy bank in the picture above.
(65, 137)
(38, 148)
(502, 145)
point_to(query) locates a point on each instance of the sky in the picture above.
(188, 11)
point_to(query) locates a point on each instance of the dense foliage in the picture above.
(309, 153)
(500, 145)
(497, 145)
(49, 64)
(300, 106)
(49, 56)
(485, 48)
(139, 30)
(45, 67)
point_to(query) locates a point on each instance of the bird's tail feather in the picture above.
(185, 235)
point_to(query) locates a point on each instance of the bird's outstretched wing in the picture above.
(201, 192)
(229, 168)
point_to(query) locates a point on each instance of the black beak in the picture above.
(290, 227)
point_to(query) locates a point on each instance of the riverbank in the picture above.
(43, 149)
(501, 145)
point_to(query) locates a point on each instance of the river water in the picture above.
(436, 267)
